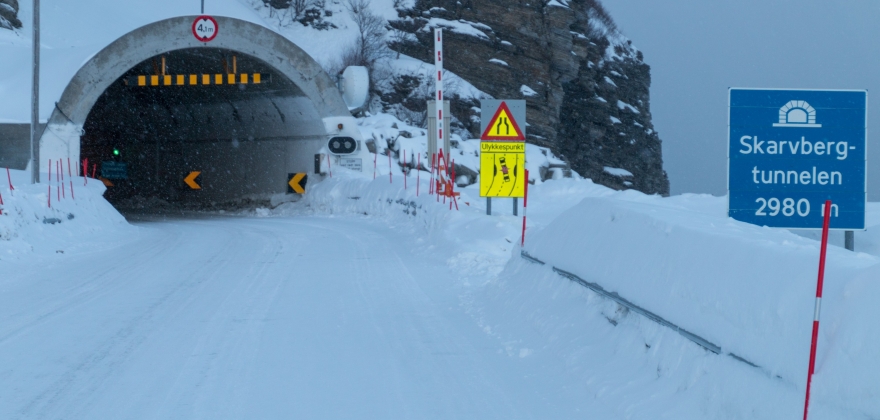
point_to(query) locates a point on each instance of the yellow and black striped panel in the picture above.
(199, 79)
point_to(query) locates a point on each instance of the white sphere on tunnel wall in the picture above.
(355, 86)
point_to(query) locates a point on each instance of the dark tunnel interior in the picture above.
(145, 140)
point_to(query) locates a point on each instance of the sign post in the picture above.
(35, 98)
(502, 151)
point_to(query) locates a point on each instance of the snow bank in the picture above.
(746, 288)
(615, 364)
(28, 225)
(409, 145)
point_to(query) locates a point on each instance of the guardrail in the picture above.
(696, 339)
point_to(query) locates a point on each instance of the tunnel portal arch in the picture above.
(96, 75)
(62, 139)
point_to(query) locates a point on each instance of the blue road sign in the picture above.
(790, 150)
(114, 170)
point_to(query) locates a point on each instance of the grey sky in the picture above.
(699, 48)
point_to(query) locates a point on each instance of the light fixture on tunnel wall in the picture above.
(339, 126)
(342, 145)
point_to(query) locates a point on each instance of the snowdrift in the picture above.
(746, 288)
(29, 225)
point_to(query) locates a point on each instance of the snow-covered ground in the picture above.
(365, 300)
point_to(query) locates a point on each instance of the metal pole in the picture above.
(850, 240)
(35, 98)
(203, 7)
(515, 205)
(488, 206)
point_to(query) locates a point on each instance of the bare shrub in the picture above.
(369, 46)
(299, 7)
(597, 11)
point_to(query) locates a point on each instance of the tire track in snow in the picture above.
(113, 350)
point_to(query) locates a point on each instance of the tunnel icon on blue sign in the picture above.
(798, 114)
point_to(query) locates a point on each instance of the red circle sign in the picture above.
(205, 28)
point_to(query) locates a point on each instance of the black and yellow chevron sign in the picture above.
(199, 79)
(297, 183)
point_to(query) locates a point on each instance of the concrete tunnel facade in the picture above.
(245, 139)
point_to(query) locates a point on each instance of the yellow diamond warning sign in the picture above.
(502, 169)
(503, 126)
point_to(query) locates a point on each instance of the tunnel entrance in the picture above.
(158, 104)
(224, 114)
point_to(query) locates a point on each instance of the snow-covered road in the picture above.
(310, 317)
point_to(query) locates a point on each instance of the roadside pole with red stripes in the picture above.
(70, 175)
(431, 182)
(438, 87)
(9, 177)
(819, 284)
(525, 207)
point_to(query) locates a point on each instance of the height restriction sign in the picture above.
(205, 28)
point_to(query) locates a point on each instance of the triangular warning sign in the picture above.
(502, 126)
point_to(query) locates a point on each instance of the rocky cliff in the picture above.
(9, 14)
(585, 86)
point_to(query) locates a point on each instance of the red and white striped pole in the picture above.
(61, 171)
(816, 311)
(525, 206)
(438, 84)
(9, 177)
(70, 175)
(49, 183)
(431, 182)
